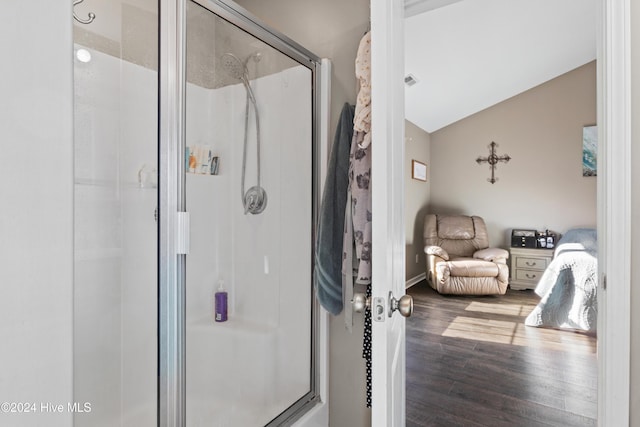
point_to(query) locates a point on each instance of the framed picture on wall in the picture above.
(418, 170)
(590, 151)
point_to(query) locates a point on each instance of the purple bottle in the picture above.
(221, 304)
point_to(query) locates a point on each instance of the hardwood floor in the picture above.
(472, 362)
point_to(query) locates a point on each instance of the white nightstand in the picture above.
(527, 266)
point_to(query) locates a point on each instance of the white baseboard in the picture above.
(414, 280)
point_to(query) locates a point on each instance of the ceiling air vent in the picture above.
(410, 80)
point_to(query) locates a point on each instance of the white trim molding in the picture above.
(416, 7)
(614, 212)
(415, 280)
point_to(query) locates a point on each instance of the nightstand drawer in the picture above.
(527, 266)
(529, 275)
(532, 263)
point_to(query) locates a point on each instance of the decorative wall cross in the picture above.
(493, 159)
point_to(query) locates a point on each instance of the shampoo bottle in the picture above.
(221, 303)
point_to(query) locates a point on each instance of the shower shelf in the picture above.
(95, 182)
(202, 174)
(110, 184)
(232, 325)
(97, 254)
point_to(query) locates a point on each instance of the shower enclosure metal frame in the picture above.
(173, 219)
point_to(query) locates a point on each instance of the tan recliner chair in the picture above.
(459, 260)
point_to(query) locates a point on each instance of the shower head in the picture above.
(233, 66)
(238, 70)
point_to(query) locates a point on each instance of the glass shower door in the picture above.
(250, 195)
(115, 196)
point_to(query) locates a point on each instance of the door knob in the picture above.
(404, 305)
(377, 305)
(360, 302)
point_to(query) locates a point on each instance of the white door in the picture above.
(387, 129)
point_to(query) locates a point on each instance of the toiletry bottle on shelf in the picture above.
(221, 303)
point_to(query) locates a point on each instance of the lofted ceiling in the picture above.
(468, 55)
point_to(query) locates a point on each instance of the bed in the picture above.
(567, 288)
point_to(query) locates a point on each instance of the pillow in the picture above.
(438, 251)
(491, 254)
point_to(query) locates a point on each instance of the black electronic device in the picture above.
(523, 238)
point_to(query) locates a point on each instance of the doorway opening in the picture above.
(506, 175)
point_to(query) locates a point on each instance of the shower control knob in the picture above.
(255, 200)
(404, 305)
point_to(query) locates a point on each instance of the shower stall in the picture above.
(196, 173)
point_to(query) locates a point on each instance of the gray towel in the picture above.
(328, 262)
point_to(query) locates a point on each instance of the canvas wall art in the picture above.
(589, 151)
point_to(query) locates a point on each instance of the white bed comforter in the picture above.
(568, 286)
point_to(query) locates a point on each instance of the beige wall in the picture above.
(417, 147)
(542, 186)
(635, 216)
(331, 29)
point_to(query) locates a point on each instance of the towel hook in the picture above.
(91, 15)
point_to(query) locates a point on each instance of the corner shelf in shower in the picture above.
(232, 325)
(90, 182)
(97, 254)
(201, 174)
(106, 183)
